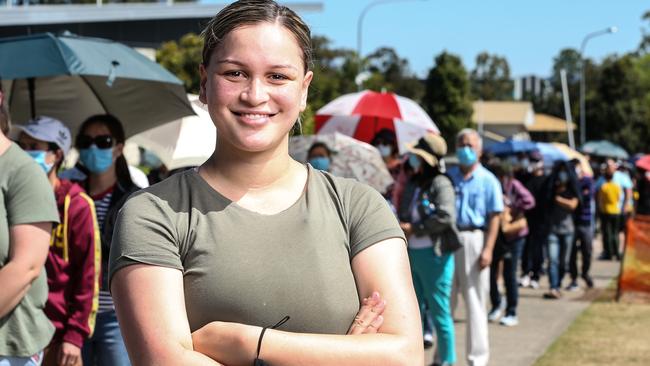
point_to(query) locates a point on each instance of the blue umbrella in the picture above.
(71, 78)
(511, 147)
(550, 153)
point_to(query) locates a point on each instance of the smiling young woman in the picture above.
(203, 260)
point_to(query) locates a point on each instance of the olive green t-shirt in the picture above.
(25, 197)
(245, 267)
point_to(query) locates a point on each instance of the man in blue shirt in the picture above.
(479, 202)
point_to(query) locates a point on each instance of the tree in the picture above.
(447, 96)
(490, 80)
(392, 73)
(621, 111)
(182, 59)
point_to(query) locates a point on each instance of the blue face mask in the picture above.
(39, 157)
(385, 150)
(95, 159)
(414, 162)
(320, 163)
(466, 156)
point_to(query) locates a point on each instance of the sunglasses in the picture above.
(101, 141)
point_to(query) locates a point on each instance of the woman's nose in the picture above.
(255, 93)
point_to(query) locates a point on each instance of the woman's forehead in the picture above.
(96, 129)
(267, 44)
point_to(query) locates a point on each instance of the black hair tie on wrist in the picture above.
(258, 361)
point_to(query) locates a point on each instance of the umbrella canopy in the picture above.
(572, 154)
(604, 148)
(643, 162)
(511, 147)
(188, 141)
(550, 153)
(351, 158)
(71, 78)
(363, 114)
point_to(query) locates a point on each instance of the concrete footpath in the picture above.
(541, 321)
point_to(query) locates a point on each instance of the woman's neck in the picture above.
(234, 172)
(99, 183)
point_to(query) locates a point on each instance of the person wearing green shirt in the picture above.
(27, 212)
(202, 262)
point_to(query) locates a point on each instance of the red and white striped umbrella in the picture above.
(363, 114)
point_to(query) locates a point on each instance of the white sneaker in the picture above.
(428, 340)
(509, 320)
(534, 284)
(524, 281)
(494, 315)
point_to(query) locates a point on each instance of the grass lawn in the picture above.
(607, 333)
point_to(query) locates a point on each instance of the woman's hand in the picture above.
(369, 319)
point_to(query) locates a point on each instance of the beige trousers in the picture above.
(474, 285)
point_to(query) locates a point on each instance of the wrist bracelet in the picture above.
(258, 361)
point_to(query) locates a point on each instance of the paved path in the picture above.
(540, 321)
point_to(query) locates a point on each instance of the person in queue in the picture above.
(427, 215)
(319, 156)
(560, 200)
(532, 258)
(203, 262)
(100, 141)
(73, 261)
(584, 229)
(479, 203)
(510, 243)
(27, 213)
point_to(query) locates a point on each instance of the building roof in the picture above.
(547, 123)
(82, 13)
(503, 113)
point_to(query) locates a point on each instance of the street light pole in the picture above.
(583, 117)
(360, 29)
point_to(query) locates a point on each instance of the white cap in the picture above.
(48, 129)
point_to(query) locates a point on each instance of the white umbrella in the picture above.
(363, 114)
(188, 141)
(352, 158)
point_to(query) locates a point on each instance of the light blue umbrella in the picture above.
(604, 148)
(71, 78)
(550, 153)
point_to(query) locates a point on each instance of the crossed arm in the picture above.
(150, 305)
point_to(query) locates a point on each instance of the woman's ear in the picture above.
(118, 150)
(305, 90)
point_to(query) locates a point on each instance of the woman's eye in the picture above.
(234, 74)
(278, 77)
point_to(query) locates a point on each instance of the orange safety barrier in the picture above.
(634, 281)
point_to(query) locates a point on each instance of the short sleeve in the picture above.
(494, 195)
(370, 219)
(144, 234)
(31, 197)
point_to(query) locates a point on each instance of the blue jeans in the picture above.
(509, 251)
(432, 279)
(559, 254)
(106, 346)
(35, 360)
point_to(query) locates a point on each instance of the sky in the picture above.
(529, 33)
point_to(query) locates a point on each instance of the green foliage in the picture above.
(490, 80)
(391, 73)
(183, 58)
(620, 111)
(447, 95)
